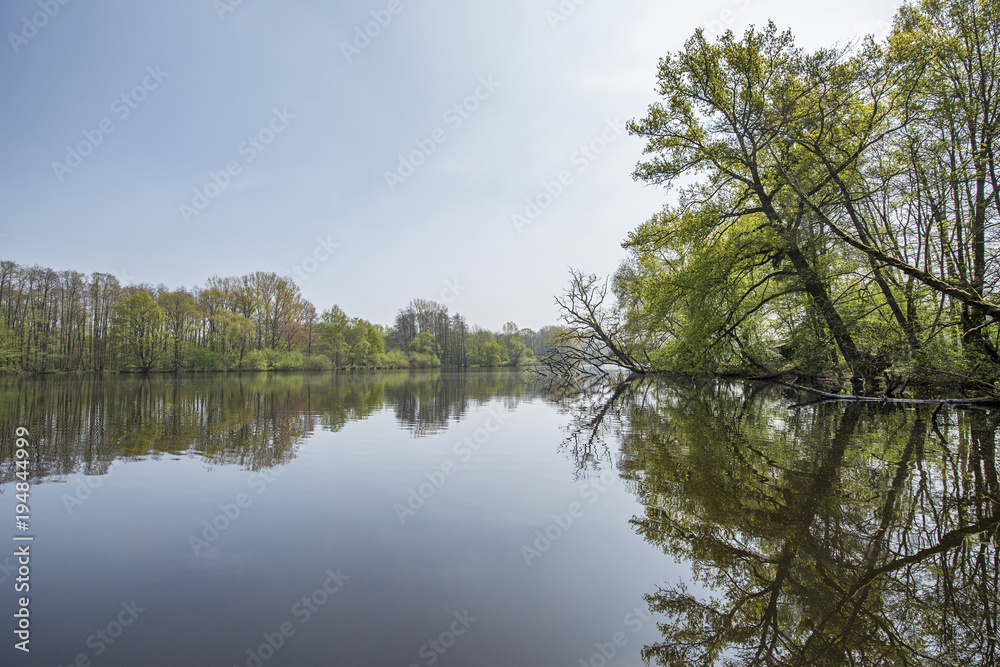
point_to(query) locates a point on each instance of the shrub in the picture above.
(316, 362)
(419, 360)
(394, 359)
(286, 361)
(199, 359)
(255, 360)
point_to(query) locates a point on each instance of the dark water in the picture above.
(481, 519)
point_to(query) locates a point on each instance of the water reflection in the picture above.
(826, 534)
(830, 534)
(256, 421)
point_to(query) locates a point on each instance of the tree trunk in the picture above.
(816, 290)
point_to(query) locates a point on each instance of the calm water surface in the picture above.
(439, 518)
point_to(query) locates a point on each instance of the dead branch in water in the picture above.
(987, 401)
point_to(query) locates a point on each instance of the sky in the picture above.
(380, 151)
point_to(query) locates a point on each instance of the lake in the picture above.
(483, 518)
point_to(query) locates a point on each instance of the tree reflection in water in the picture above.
(828, 534)
(83, 423)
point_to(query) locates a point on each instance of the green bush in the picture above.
(420, 360)
(286, 361)
(255, 360)
(392, 359)
(9, 355)
(199, 359)
(316, 362)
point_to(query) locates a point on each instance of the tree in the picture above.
(424, 343)
(853, 189)
(405, 327)
(725, 113)
(514, 348)
(9, 356)
(595, 338)
(363, 341)
(946, 52)
(181, 312)
(493, 355)
(104, 290)
(138, 324)
(68, 321)
(458, 342)
(479, 349)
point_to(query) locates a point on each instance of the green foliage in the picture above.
(255, 360)
(65, 321)
(423, 360)
(9, 354)
(837, 208)
(515, 352)
(138, 325)
(424, 344)
(273, 360)
(203, 359)
(711, 291)
(316, 362)
(181, 312)
(350, 342)
(394, 359)
(485, 351)
(492, 354)
(285, 361)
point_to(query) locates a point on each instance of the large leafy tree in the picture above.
(727, 112)
(842, 196)
(138, 322)
(181, 311)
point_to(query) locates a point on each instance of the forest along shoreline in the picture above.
(65, 321)
(835, 224)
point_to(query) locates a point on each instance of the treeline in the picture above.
(59, 321)
(838, 209)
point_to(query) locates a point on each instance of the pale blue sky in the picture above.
(309, 129)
